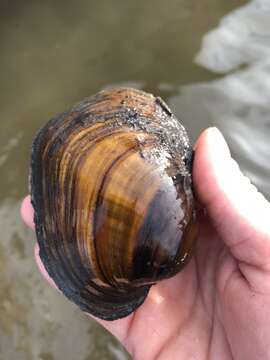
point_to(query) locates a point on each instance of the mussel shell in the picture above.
(112, 194)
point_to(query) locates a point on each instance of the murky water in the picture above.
(210, 59)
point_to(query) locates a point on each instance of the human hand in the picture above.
(218, 307)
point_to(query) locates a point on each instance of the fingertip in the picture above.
(42, 268)
(212, 137)
(211, 154)
(218, 178)
(27, 212)
(211, 148)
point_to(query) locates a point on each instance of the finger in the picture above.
(27, 212)
(42, 268)
(240, 213)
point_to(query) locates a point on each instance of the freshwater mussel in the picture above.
(111, 189)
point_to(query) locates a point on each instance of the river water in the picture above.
(210, 59)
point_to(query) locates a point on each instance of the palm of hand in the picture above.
(183, 317)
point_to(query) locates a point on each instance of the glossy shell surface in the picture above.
(111, 189)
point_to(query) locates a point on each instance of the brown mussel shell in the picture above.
(112, 194)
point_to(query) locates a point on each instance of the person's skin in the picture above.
(218, 307)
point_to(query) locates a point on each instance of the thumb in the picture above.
(238, 211)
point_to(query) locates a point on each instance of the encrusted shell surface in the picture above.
(111, 189)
